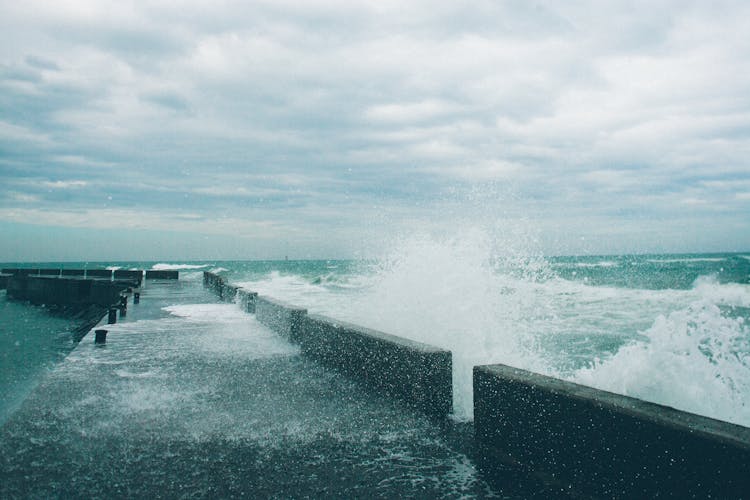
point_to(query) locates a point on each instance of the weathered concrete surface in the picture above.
(285, 319)
(19, 271)
(212, 405)
(73, 272)
(4, 281)
(417, 373)
(153, 274)
(49, 272)
(99, 273)
(134, 275)
(65, 291)
(593, 442)
(246, 300)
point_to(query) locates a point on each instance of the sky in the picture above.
(324, 128)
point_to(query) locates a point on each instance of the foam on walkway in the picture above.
(194, 398)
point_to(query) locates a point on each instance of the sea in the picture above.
(668, 328)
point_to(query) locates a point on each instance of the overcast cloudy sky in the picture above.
(318, 128)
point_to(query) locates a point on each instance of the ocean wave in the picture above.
(686, 259)
(696, 359)
(177, 267)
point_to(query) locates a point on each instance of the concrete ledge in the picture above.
(214, 282)
(19, 271)
(246, 300)
(65, 291)
(154, 274)
(49, 272)
(414, 372)
(598, 443)
(134, 275)
(99, 273)
(72, 272)
(284, 319)
(227, 292)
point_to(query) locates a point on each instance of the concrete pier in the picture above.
(595, 443)
(208, 402)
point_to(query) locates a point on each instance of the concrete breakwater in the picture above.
(101, 274)
(582, 441)
(82, 295)
(416, 373)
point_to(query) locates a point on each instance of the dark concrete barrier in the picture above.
(72, 272)
(213, 282)
(229, 292)
(65, 291)
(19, 271)
(4, 281)
(133, 275)
(414, 372)
(593, 442)
(99, 273)
(246, 300)
(417, 373)
(49, 272)
(154, 274)
(285, 319)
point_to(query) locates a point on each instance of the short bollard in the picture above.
(101, 336)
(136, 298)
(112, 318)
(123, 306)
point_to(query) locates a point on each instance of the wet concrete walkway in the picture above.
(195, 399)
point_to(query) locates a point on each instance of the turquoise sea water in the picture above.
(667, 328)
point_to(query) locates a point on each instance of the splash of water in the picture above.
(696, 358)
(457, 293)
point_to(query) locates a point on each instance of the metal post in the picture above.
(101, 336)
(112, 318)
(123, 306)
(136, 298)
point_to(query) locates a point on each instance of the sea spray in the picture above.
(489, 297)
(449, 292)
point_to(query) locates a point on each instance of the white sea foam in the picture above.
(686, 259)
(232, 332)
(696, 359)
(603, 263)
(177, 267)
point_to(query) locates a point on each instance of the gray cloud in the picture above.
(329, 113)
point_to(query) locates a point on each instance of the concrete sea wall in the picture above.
(99, 273)
(285, 319)
(593, 442)
(577, 440)
(162, 275)
(66, 291)
(416, 373)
